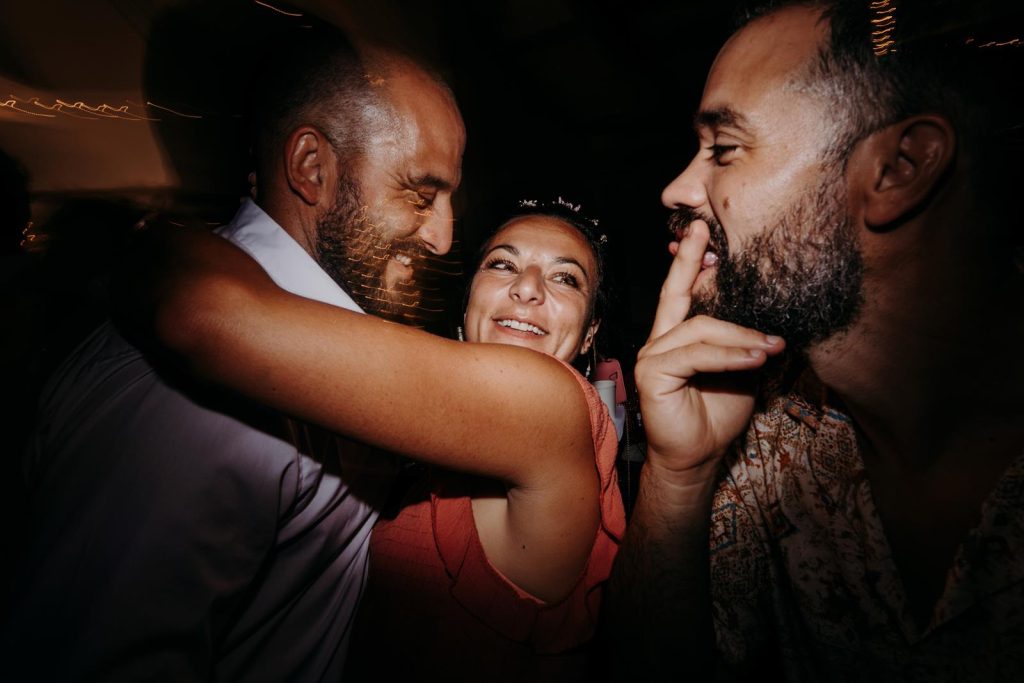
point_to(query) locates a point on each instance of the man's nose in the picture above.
(436, 229)
(528, 287)
(687, 189)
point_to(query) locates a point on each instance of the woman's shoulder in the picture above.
(601, 426)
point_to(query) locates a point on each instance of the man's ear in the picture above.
(903, 164)
(309, 164)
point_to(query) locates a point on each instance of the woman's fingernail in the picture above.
(772, 340)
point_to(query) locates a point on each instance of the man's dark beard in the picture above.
(799, 279)
(355, 253)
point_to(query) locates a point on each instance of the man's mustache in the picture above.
(679, 225)
(414, 248)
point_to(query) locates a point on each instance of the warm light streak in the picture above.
(1013, 42)
(1005, 43)
(885, 20)
(13, 104)
(88, 112)
(58, 106)
(101, 111)
(277, 9)
(176, 113)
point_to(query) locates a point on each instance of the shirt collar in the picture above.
(287, 263)
(807, 400)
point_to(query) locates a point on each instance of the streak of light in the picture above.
(176, 113)
(82, 110)
(13, 104)
(885, 20)
(1005, 43)
(277, 9)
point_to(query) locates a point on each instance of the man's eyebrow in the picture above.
(431, 180)
(722, 116)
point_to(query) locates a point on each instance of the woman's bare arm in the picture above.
(487, 409)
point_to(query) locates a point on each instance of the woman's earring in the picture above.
(587, 372)
(458, 331)
(253, 186)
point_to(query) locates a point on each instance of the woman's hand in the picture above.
(692, 411)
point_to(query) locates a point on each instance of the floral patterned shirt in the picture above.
(803, 581)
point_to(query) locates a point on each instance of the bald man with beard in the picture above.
(182, 533)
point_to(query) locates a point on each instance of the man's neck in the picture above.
(933, 389)
(301, 225)
(932, 369)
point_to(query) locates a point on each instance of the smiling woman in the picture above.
(505, 563)
(535, 287)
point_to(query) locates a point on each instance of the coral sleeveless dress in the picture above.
(436, 608)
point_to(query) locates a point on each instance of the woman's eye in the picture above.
(500, 264)
(567, 279)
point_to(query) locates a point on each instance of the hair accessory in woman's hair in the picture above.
(569, 205)
(565, 205)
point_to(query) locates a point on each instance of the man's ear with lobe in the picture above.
(310, 165)
(901, 165)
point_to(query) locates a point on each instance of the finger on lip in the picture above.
(695, 242)
(697, 231)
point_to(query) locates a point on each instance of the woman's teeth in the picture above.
(522, 327)
(403, 259)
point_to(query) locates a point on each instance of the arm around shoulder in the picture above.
(487, 409)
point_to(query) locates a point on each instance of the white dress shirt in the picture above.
(178, 531)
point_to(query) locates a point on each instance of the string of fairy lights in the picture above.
(128, 111)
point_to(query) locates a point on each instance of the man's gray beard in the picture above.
(800, 278)
(355, 253)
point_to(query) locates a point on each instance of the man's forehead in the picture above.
(767, 53)
(424, 132)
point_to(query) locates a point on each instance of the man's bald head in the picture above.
(321, 78)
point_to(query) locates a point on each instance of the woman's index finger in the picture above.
(676, 291)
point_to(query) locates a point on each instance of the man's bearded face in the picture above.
(372, 260)
(799, 278)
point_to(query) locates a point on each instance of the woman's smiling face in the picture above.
(534, 287)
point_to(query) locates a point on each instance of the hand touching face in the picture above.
(691, 373)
